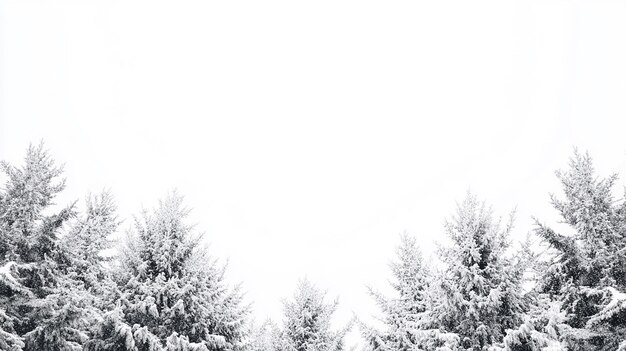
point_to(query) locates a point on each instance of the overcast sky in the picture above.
(307, 135)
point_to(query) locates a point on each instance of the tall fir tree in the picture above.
(585, 275)
(172, 295)
(481, 294)
(42, 306)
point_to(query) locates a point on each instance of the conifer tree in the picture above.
(172, 295)
(41, 306)
(266, 337)
(307, 324)
(408, 323)
(88, 238)
(480, 290)
(585, 276)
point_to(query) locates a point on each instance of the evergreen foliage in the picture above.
(172, 296)
(307, 324)
(585, 274)
(65, 285)
(481, 286)
(42, 304)
(265, 337)
(408, 315)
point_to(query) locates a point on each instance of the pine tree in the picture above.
(480, 290)
(586, 274)
(41, 306)
(89, 237)
(307, 324)
(172, 295)
(91, 232)
(266, 337)
(408, 323)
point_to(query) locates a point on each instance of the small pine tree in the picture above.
(266, 337)
(407, 319)
(307, 324)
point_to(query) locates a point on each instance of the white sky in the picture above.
(307, 135)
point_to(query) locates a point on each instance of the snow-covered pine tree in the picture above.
(586, 274)
(307, 323)
(41, 306)
(408, 323)
(88, 238)
(91, 233)
(172, 295)
(480, 288)
(265, 337)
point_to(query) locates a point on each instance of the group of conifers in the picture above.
(62, 289)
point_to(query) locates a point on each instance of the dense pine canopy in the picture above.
(66, 284)
(162, 291)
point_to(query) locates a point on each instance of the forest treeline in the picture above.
(161, 290)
